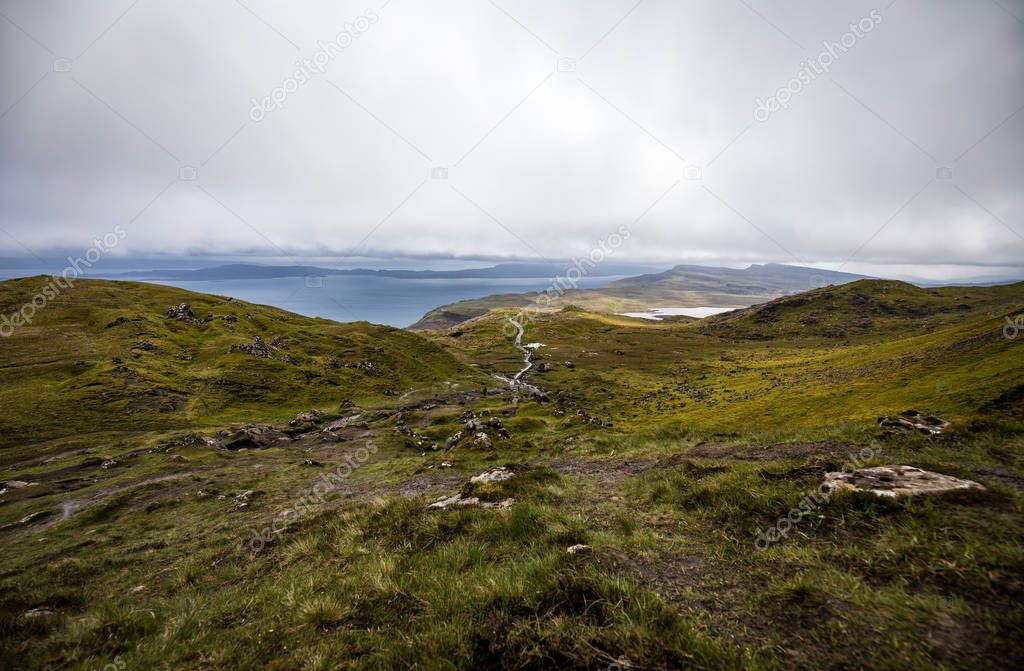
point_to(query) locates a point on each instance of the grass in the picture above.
(710, 432)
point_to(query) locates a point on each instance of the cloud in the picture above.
(556, 123)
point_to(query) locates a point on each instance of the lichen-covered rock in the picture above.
(498, 475)
(895, 481)
(458, 501)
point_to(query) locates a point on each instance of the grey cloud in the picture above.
(539, 157)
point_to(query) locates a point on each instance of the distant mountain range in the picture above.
(682, 286)
(246, 271)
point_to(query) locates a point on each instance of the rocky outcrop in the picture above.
(895, 481)
(499, 428)
(459, 501)
(498, 475)
(252, 436)
(343, 423)
(258, 348)
(453, 440)
(466, 498)
(182, 313)
(306, 418)
(912, 420)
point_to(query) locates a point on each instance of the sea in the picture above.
(380, 300)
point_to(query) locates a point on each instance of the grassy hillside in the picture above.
(145, 537)
(104, 358)
(877, 348)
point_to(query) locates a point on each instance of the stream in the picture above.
(516, 383)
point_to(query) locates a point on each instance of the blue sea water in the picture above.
(380, 300)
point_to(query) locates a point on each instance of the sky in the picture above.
(883, 138)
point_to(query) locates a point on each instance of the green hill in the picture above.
(105, 358)
(164, 503)
(869, 308)
(849, 354)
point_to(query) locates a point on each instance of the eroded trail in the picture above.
(516, 382)
(527, 354)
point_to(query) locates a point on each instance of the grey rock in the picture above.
(498, 475)
(181, 312)
(912, 420)
(892, 481)
(453, 440)
(257, 348)
(458, 501)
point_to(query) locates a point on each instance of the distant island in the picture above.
(680, 287)
(249, 271)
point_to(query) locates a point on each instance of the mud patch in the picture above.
(774, 452)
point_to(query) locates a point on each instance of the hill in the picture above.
(856, 352)
(866, 309)
(105, 357)
(605, 509)
(682, 286)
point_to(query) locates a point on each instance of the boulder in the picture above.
(912, 420)
(181, 312)
(579, 549)
(895, 481)
(453, 440)
(458, 501)
(252, 436)
(257, 348)
(305, 418)
(342, 423)
(482, 440)
(498, 475)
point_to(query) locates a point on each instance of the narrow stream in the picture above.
(516, 383)
(527, 354)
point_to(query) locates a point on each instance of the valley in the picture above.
(192, 481)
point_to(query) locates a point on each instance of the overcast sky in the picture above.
(558, 121)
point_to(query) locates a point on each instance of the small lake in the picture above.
(659, 313)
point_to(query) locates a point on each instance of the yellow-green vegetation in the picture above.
(104, 359)
(135, 533)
